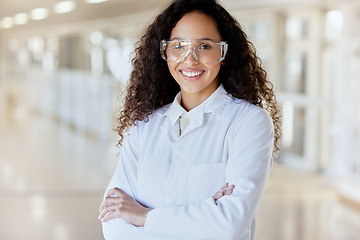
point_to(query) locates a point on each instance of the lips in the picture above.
(192, 74)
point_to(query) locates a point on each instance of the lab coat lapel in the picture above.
(196, 121)
(169, 130)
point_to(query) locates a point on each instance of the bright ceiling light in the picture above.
(95, 1)
(21, 18)
(64, 7)
(39, 13)
(7, 22)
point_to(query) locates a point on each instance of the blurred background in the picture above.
(63, 65)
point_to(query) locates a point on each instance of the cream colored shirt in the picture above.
(183, 123)
(184, 120)
(227, 140)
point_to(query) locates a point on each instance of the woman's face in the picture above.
(195, 77)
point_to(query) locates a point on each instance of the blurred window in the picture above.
(260, 33)
(294, 128)
(294, 72)
(296, 28)
(71, 53)
(333, 25)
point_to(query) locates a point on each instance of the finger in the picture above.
(229, 189)
(218, 195)
(222, 188)
(107, 210)
(111, 193)
(109, 216)
(115, 192)
(109, 201)
(229, 186)
(225, 186)
(228, 192)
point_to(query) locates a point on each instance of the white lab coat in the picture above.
(227, 140)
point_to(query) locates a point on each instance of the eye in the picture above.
(204, 46)
(177, 45)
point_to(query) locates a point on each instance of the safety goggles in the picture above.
(204, 51)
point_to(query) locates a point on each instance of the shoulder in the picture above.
(153, 118)
(250, 124)
(142, 130)
(248, 115)
(245, 108)
(160, 111)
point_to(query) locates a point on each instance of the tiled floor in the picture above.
(52, 180)
(299, 206)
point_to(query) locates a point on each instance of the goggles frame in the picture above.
(222, 45)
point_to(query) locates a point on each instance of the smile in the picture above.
(192, 74)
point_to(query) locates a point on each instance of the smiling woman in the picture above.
(202, 126)
(197, 76)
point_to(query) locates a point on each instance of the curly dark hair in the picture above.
(151, 85)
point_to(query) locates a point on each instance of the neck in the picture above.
(190, 101)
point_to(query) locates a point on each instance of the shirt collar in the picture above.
(175, 110)
(215, 104)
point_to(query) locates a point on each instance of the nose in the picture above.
(192, 59)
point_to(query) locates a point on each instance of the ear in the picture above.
(223, 62)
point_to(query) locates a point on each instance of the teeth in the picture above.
(192, 74)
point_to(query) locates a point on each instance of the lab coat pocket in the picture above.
(206, 179)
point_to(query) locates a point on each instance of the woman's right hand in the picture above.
(118, 204)
(225, 190)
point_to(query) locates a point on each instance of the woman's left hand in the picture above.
(225, 190)
(118, 204)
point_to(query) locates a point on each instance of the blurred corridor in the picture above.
(64, 64)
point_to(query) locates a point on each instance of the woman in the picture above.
(204, 117)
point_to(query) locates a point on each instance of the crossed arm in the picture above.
(117, 204)
(229, 217)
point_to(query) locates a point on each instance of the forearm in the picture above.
(203, 221)
(230, 217)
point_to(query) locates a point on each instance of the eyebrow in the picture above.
(198, 39)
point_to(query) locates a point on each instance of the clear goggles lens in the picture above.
(204, 51)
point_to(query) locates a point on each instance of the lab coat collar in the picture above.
(215, 104)
(175, 110)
